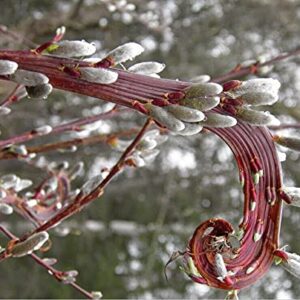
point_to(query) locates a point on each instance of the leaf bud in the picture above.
(146, 144)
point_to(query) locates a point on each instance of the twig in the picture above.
(66, 144)
(81, 200)
(285, 126)
(74, 125)
(57, 274)
(51, 271)
(12, 97)
(239, 72)
(76, 9)
(15, 36)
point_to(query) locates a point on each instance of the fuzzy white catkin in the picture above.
(8, 67)
(153, 133)
(91, 184)
(40, 91)
(257, 85)
(218, 121)
(165, 118)
(125, 52)
(289, 142)
(8, 181)
(6, 209)
(32, 243)
(220, 266)
(77, 170)
(190, 129)
(147, 68)
(258, 118)
(294, 194)
(73, 49)
(203, 89)
(3, 194)
(45, 129)
(23, 184)
(4, 110)
(293, 256)
(29, 78)
(259, 98)
(149, 155)
(292, 266)
(137, 160)
(19, 149)
(201, 103)
(96, 294)
(200, 79)
(185, 114)
(98, 75)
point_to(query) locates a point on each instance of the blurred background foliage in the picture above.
(120, 243)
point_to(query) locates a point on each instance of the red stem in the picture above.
(248, 143)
